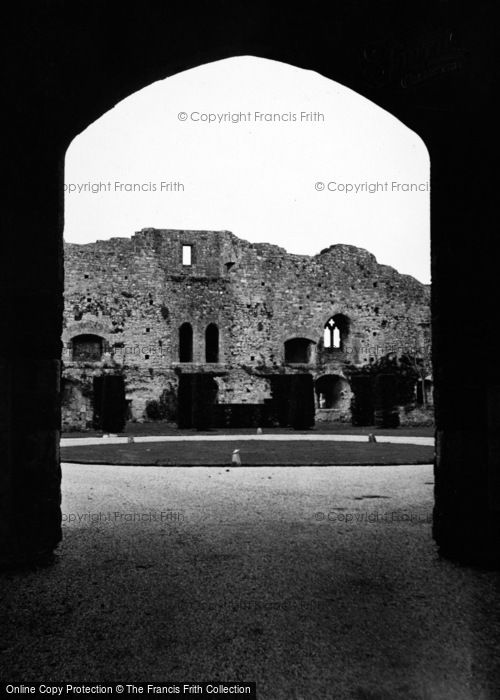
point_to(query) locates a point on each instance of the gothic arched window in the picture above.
(335, 332)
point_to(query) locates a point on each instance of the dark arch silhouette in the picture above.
(422, 71)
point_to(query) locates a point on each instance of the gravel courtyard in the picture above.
(315, 582)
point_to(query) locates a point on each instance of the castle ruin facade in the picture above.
(166, 304)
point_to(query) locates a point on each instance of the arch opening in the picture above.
(186, 343)
(184, 232)
(212, 343)
(332, 392)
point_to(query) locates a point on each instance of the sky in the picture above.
(271, 152)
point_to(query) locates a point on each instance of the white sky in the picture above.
(254, 178)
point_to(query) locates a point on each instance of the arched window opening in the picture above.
(212, 343)
(87, 348)
(335, 332)
(299, 350)
(186, 343)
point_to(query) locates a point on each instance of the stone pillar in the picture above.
(466, 394)
(30, 327)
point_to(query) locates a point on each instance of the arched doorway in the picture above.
(376, 53)
(333, 398)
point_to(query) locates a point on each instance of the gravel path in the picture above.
(314, 582)
(238, 437)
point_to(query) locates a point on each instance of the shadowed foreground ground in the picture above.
(314, 582)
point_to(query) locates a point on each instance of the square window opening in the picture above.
(187, 254)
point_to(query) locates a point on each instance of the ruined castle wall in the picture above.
(135, 294)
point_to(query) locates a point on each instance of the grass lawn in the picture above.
(163, 428)
(252, 453)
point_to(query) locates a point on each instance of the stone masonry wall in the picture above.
(135, 294)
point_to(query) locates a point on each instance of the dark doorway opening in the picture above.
(292, 402)
(109, 403)
(197, 396)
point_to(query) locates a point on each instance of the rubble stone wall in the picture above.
(136, 293)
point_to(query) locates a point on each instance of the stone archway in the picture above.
(333, 398)
(75, 62)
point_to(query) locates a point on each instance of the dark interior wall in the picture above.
(431, 64)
